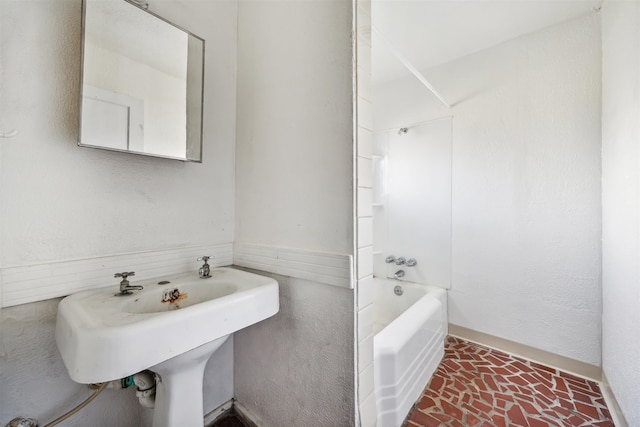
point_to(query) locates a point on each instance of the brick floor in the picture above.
(475, 386)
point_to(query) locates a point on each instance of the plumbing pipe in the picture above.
(145, 382)
(79, 407)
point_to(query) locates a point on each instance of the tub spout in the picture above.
(399, 274)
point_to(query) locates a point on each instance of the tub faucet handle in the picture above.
(411, 262)
(389, 259)
(400, 260)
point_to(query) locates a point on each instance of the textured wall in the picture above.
(34, 381)
(526, 191)
(60, 202)
(526, 185)
(294, 188)
(295, 126)
(63, 202)
(296, 368)
(621, 203)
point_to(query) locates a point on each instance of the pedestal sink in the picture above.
(171, 327)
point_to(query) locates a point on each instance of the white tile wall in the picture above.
(365, 262)
(365, 355)
(366, 396)
(365, 321)
(365, 292)
(365, 232)
(24, 284)
(365, 113)
(366, 383)
(365, 175)
(368, 411)
(365, 202)
(365, 142)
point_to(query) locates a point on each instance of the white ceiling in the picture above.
(433, 32)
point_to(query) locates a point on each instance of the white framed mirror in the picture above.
(141, 83)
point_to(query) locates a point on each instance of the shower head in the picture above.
(402, 131)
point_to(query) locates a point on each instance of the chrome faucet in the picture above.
(205, 270)
(399, 274)
(125, 287)
(400, 260)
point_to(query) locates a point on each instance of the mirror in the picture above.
(142, 83)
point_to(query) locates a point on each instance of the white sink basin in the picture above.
(103, 337)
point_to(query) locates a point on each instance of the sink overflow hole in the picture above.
(164, 282)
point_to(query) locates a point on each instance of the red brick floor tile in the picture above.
(475, 386)
(528, 407)
(516, 416)
(588, 410)
(426, 402)
(424, 420)
(499, 421)
(452, 410)
(533, 422)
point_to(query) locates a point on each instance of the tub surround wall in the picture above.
(526, 185)
(294, 178)
(366, 413)
(413, 218)
(59, 202)
(621, 204)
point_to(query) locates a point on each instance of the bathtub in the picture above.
(408, 344)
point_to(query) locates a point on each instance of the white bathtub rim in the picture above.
(405, 326)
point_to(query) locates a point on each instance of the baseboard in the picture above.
(612, 404)
(553, 360)
(247, 416)
(212, 416)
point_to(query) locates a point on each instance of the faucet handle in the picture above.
(125, 274)
(205, 258)
(389, 259)
(411, 262)
(400, 260)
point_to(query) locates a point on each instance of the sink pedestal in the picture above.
(179, 387)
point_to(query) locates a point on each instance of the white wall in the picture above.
(621, 203)
(60, 202)
(295, 146)
(526, 186)
(63, 202)
(294, 189)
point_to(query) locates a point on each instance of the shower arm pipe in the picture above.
(410, 67)
(424, 122)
